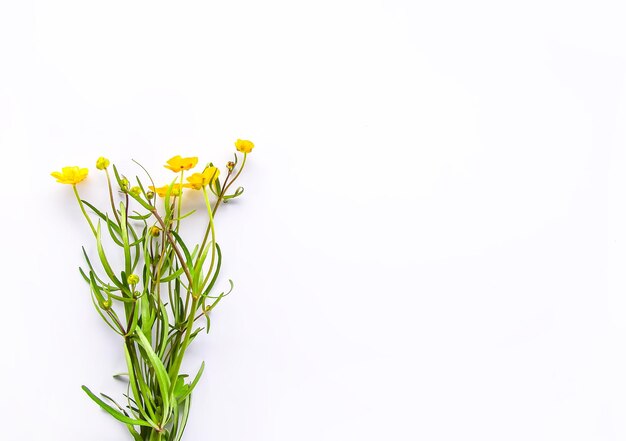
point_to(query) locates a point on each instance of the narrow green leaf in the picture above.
(237, 193)
(133, 384)
(103, 259)
(180, 242)
(218, 267)
(194, 382)
(164, 328)
(139, 216)
(161, 374)
(114, 413)
(173, 275)
(103, 216)
(183, 419)
(99, 311)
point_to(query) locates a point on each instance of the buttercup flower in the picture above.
(177, 164)
(199, 180)
(244, 146)
(162, 191)
(70, 175)
(102, 163)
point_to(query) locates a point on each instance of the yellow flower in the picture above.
(199, 180)
(102, 163)
(162, 191)
(155, 231)
(244, 146)
(70, 175)
(177, 163)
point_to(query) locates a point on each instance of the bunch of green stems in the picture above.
(155, 302)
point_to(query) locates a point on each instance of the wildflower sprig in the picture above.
(155, 298)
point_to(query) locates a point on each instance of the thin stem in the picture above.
(117, 321)
(117, 218)
(171, 240)
(181, 353)
(212, 226)
(180, 200)
(82, 208)
(208, 228)
(243, 164)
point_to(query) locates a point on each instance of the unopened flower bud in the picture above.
(230, 165)
(136, 294)
(106, 304)
(124, 184)
(133, 279)
(102, 163)
(155, 231)
(150, 195)
(135, 191)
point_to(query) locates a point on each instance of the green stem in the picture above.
(243, 164)
(172, 242)
(117, 218)
(181, 353)
(180, 201)
(82, 208)
(208, 228)
(212, 226)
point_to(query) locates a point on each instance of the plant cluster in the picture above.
(163, 288)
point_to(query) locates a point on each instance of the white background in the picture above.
(432, 240)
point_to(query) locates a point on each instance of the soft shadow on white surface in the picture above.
(431, 241)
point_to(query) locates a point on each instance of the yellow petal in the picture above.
(244, 146)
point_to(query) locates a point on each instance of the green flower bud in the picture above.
(150, 195)
(102, 163)
(124, 184)
(106, 304)
(135, 191)
(133, 279)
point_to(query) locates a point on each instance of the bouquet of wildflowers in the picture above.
(160, 297)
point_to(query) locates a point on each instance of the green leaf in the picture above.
(237, 193)
(180, 242)
(133, 384)
(164, 328)
(113, 412)
(94, 271)
(172, 276)
(139, 216)
(95, 288)
(194, 382)
(183, 420)
(112, 234)
(218, 186)
(103, 216)
(186, 215)
(97, 307)
(180, 388)
(161, 374)
(218, 266)
(103, 259)
(232, 286)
